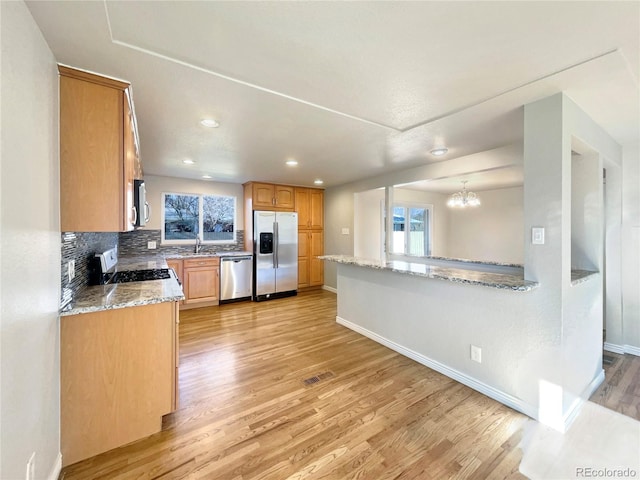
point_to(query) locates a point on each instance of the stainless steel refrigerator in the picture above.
(275, 249)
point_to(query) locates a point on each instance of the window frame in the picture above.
(407, 206)
(190, 241)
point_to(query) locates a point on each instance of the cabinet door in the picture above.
(302, 207)
(303, 259)
(284, 197)
(91, 175)
(200, 284)
(316, 214)
(263, 196)
(316, 266)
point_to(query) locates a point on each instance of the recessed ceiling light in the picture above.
(188, 161)
(439, 151)
(318, 182)
(207, 176)
(209, 122)
(291, 163)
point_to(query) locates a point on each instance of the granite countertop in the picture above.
(132, 294)
(486, 279)
(580, 276)
(477, 262)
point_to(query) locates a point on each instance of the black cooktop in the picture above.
(141, 275)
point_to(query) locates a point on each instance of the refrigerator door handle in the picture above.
(276, 245)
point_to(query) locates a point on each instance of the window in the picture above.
(411, 230)
(184, 216)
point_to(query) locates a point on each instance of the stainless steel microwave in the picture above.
(143, 211)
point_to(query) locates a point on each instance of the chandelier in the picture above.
(463, 199)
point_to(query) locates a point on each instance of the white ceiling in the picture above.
(505, 177)
(349, 89)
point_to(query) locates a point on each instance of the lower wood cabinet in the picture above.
(310, 269)
(118, 377)
(200, 278)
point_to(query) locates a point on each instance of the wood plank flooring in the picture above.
(621, 389)
(247, 413)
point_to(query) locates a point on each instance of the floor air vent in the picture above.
(608, 359)
(317, 378)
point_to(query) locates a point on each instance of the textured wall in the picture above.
(30, 246)
(491, 232)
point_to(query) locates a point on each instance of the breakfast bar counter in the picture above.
(506, 281)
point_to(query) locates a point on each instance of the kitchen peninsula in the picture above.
(482, 328)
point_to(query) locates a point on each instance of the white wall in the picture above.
(491, 232)
(631, 250)
(367, 224)
(157, 185)
(30, 246)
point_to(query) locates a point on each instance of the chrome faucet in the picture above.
(198, 244)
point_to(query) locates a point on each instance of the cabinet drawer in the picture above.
(201, 262)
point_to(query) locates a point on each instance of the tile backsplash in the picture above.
(135, 243)
(80, 246)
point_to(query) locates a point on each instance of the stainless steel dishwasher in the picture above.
(236, 277)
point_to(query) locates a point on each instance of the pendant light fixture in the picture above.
(464, 198)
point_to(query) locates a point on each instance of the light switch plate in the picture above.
(537, 235)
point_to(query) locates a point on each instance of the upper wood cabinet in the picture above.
(310, 207)
(267, 196)
(99, 154)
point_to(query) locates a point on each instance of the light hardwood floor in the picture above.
(621, 390)
(247, 413)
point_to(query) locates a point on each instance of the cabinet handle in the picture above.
(273, 201)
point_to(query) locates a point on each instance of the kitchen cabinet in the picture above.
(310, 269)
(118, 377)
(99, 153)
(266, 196)
(201, 281)
(310, 208)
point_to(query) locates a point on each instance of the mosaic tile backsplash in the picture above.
(135, 243)
(80, 246)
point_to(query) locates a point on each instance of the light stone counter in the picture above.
(486, 279)
(132, 294)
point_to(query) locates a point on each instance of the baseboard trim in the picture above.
(578, 403)
(612, 347)
(56, 469)
(632, 350)
(489, 391)
(622, 349)
(330, 289)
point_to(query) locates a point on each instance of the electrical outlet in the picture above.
(345, 231)
(151, 245)
(476, 354)
(31, 467)
(71, 269)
